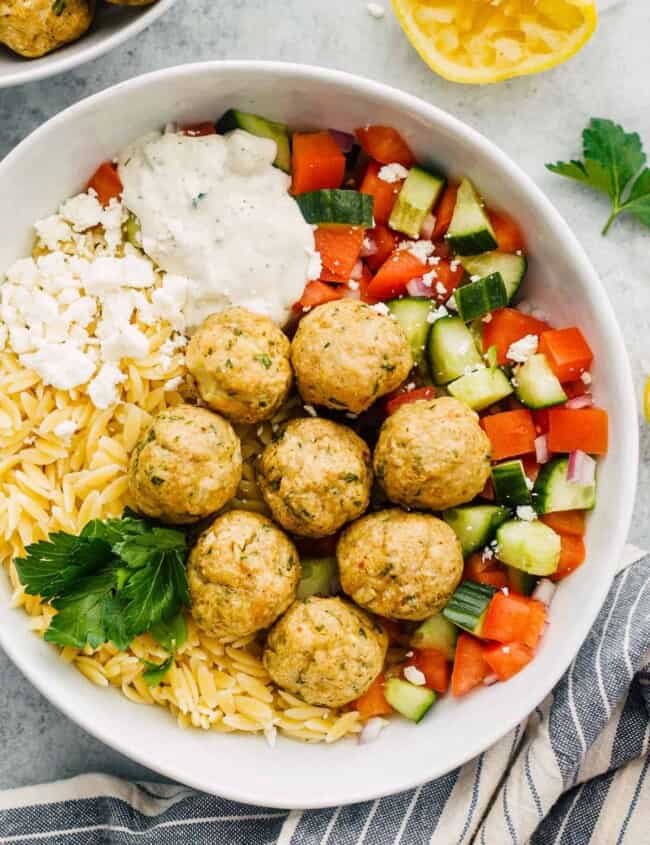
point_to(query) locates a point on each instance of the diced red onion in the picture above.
(542, 453)
(584, 401)
(368, 247)
(343, 139)
(488, 680)
(372, 729)
(357, 270)
(544, 591)
(416, 287)
(351, 293)
(427, 227)
(582, 467)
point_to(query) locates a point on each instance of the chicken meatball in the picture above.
(240, 361)
(346, 355)
(242, 573)
(326, 651)
(432, 454)
(400, 565)
(40, 26)
(315, 477)
(186, 466)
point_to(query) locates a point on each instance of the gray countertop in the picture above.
(534, 119)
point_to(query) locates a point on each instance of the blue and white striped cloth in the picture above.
(575, 773)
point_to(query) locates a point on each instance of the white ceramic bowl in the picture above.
(57, 159)
(113, 25)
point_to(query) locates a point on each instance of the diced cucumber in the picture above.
(409, 700)
(554, 492)
(331, 206)
(537, 384)
(415, 200)
(481, 388)
(320, 577)
(475, 525)
(411, 313)
(521, 582)
(512, 268)
(468, 606)
(451, 349)
(510, 484)
(133, 230)
(263, 128)
(479, 298)
(436, 632)
(530, 546)
(470, 231)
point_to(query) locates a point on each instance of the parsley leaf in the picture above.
(154, 674)
(172, 633)
(614, 164)
(50, 566)
(83, 617)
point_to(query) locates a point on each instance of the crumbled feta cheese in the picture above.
(393, 172)
(310, 410)
(83, 211)
(129, 342)
(454, 265)
(428, 278)
(353, 285)
(487, 318)
(52, 231)
(529, 482)
(414, 676)
(315, 265)
(585, 377)
(524, 348)
(487, 553)
(526, 513)
(103, 388)
(63, 365)
(440, 312)
(410, 386)
(375, 10)
(441, 289)
(381, 308)
(65, 429)
(420, 249)
(474, 278)
(451, 303)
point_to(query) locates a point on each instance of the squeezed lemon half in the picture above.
(480, 41)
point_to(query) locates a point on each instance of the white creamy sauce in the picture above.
(215, 210)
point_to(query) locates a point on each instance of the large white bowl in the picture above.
(112, 26)
(57, 159)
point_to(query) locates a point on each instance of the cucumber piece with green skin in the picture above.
(470, 231)
(481, 388)
(530, 546)
(521, 582)
(436, 632)
(411, 313)
(510, 484)
(511, 267)
(263, 128)
(409, 700)
(468, 606)
(414, 201)
(336, 206)
(451, 349)
(554, 492)
(320, 577)
(479, 298)
(475, 525)
(537, 385)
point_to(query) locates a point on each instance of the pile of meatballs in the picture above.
(399, 563)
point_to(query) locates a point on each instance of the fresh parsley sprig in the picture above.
(118, 579)
(614, 164)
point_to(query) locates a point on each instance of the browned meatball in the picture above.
(37, 27)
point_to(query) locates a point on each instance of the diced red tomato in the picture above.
(507, 326)
(339, 248)
(485, 571)
(444, 211)
(434, 666)
(384, 240)
(573, 523)
(106, 182)
(395, 273)
(506, 660)
(540, 418)
(199, 130)
(488, 491)
(385, 145)
(508, 234)
(316, 162)
(531, 467)
(450, 275)
(470, 666)
(373, 701)
(514, 618)
(383, 193)
(567, 352)
(403, 398)
(575, 388)
(573, 554)
(364, 284)
(581, 428)
(317, 293)
(511, 433)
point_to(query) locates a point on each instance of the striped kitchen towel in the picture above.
(575, 773)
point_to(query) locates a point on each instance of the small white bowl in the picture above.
(113, 26)
(57, 159)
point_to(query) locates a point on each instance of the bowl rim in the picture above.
(397, 781)
(56, 63)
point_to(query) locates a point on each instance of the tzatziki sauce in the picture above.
(215, 210)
